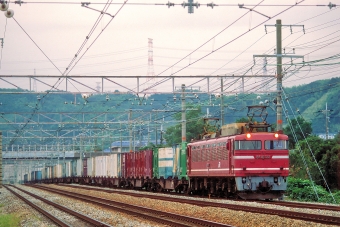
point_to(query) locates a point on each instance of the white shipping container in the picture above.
(112, 165)
(44, 173)
(79, 167)
(91, 171)
(101, 166)
(57, 171)
(68, 169)
(49, 172)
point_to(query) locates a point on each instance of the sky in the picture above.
(43, 37)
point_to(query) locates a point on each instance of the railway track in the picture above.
(58, 221)
(165, 218)
(166, 198)
(324, 219)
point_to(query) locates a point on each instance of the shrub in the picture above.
(302, 190)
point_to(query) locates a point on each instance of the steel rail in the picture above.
(147, 213)
(324, 219)
(67, 210)
(45, 213)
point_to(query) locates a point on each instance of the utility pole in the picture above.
(279, 75)
(325, 112)
(183, 170)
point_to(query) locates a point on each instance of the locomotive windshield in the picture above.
(248, 145)
(276, 144)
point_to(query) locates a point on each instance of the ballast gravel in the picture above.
(221, 215)
(226, 216)
(107, 216)
(10, 204)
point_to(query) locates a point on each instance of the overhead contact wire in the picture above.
(37, 45)
(97, 36)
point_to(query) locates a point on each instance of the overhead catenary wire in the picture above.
(220, 46)
(168, 4)
(310, 150)
(300, 151)
(36, 45)
(60, 79)
(212, 38)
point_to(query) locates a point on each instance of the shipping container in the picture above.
(57, 171)
(49, 172)
(165, 161)
(79, 167)
(44, 173)
(68, 169)
(139, 162)
(101, 166)
(91, 171)
(38, 175)
(119, 165)
(123, 164)
(85, 167)
(130, 167)
(144, 163)
(26, 178)
(148, 163)
(74, 168)
(177, 170)
(112, 167)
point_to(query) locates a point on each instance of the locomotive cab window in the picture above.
(248, 145)
(276, 144)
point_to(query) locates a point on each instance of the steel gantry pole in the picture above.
(279, 75)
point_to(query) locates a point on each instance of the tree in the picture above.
(173, 134)
(306, 129)
(326, 156)
(242, 120)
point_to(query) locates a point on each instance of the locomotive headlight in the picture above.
(243, 180)
(276, 180)
(276, 135)
(248, 135)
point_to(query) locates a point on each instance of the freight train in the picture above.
(242, 160)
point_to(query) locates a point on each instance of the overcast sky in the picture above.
(44, 38)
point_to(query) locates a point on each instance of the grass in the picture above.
(9, 220)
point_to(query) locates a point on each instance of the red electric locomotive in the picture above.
(245, 160)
